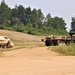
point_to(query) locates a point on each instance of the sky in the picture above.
(60, 8)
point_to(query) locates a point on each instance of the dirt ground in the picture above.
(36, 61)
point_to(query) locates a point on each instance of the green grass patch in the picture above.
(64, 49)
(21, 46)
(29, 45)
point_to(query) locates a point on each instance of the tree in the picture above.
(40, 17)
(21, 14)
(34, 18)
(28, 13)
(15, 21)
(5, 12)
(48, 20)
(58, 23)
(15, 12)
(31, 21)
(73, 24)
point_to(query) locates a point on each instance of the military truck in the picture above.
(5, 42)
(55, 40)
(72, 35)
(50, 40)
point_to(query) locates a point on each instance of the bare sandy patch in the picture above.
(30, 52)
(36, 61)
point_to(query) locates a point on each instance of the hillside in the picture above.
(33, 60)
(18, 37)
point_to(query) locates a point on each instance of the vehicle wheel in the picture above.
(3, 46)
(8, 44)
(55, 42)
(48, 42)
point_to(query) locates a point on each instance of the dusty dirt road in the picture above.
(36, 61)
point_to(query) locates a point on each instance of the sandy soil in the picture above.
(36, 61)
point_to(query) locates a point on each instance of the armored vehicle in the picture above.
(5, 42)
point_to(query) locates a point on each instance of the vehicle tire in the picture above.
(48, 42)
(8, 44)
(55, 42)
(3, 47)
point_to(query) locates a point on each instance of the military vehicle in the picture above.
(5, 42)
(55, 40)
(72, 36)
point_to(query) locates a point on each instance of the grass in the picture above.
(1, 54)
(29, 45)
(64, 49)
(21, 46)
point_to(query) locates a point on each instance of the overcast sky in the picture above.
(60, 8)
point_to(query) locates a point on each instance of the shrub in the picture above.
(64, 49)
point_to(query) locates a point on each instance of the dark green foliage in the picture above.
(2, 26)
(5, 12)
(19, 28)
(30, 21)
(73, 25)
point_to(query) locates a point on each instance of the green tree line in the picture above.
(24, 19)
